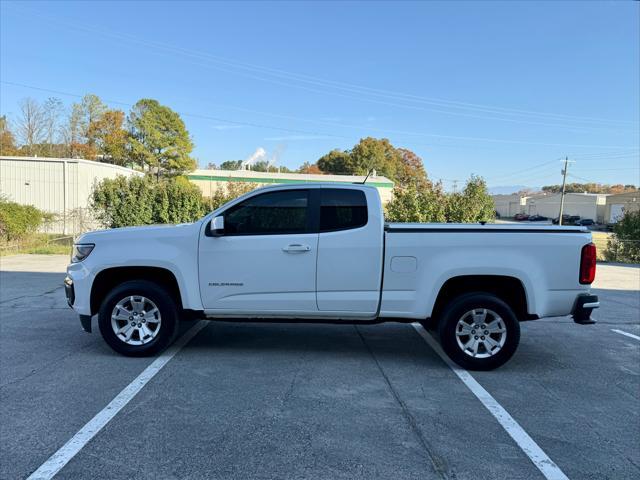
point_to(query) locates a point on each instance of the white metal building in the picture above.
(584, 205)
(618, 204)
(210, 180)
(509, 205)
(57, 185)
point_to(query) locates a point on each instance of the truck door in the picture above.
(265, 260)
(349, 251)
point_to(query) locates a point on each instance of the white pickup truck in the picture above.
(323, 253)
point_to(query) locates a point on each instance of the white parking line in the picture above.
(626, 334)
(540, 459)
(69, 450)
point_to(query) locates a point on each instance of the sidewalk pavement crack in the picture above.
(48, 365)
(437, 462)
(48, 292)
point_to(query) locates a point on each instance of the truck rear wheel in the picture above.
(479, 331)
(138, 318)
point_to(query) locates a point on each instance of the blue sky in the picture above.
(499, 89)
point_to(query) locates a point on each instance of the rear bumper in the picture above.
(583, 307)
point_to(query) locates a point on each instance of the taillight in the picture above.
(588, 264)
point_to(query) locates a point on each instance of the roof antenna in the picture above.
(365, 178)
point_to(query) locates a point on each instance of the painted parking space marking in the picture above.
(626, 334)
(540, 459)
(58, 460)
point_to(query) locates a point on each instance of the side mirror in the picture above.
(217, 226)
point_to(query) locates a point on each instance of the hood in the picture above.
(156, 231)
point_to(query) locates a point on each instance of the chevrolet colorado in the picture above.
(322, 252)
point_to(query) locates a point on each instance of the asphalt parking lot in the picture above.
(315, 401)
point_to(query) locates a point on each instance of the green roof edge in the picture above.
(278, 180)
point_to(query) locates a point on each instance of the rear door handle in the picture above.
(296, 248)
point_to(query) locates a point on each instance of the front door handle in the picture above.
(296, 248)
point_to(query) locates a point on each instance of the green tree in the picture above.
(624, 244)
(590, 188)
(7, 139)
(337, 162)
(398, 164)
(110, 138)
(159, 139)
(80, 132)
(473, 204)
(376, 154)
(426, 202)
(229, 191)
(263, 166)
(412, 203)
(231, 165)
(312, 168)
(411, 169)
(266, 166)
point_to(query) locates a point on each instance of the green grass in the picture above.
(600, 239)
(39, 243)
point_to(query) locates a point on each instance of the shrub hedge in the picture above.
(18, 221)
(124, 202)
(624, 244)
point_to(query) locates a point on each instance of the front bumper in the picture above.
(79, 279)
(69, 291)
(583, 307)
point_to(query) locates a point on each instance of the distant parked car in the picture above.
(567, 219)
(520, 217)
(585, 222)
(538, 218)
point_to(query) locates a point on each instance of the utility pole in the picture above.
(564, 183)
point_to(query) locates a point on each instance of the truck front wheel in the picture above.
(138, 318)
(479, 331)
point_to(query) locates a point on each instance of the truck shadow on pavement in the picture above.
(43, 293)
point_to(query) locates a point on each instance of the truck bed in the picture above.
(419, 258)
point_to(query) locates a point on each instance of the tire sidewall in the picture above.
(452, 314)
(158, 295)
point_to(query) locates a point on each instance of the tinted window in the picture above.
(270, 213)
(341, 209)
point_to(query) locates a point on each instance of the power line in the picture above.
(186, 114)
(345, 87)
(629, 151)
(388, 131)
(518, 172)
(608, 169)
(587, 180)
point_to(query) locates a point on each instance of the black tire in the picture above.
(448, 323)
(166, 304)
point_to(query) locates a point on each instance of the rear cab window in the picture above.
(342, 209)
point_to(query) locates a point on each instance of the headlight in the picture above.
(81, 251)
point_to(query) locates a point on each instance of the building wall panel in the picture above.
(58, 186)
